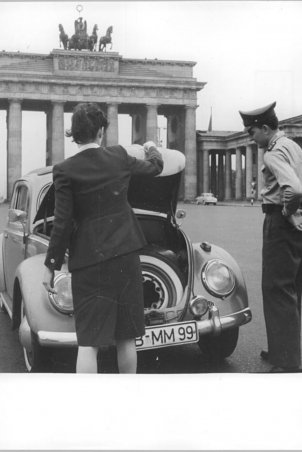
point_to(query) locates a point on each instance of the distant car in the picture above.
(206, 199)
(193, 292)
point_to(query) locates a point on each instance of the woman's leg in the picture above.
(126, 356)
(87, 360)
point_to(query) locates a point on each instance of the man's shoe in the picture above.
(284, 370)
(264, 355)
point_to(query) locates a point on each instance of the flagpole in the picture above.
(210, 122)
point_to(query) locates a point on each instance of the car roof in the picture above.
(40, 171)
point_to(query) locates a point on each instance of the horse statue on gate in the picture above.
(104, 40)
(92, 40)
(63, 37)
(79, 40)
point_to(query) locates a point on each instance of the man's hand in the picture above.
(296, 220)
(48, 280)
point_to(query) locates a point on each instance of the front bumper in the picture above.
(214, 325)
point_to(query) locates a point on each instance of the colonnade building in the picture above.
(229, 162)
(141, 88)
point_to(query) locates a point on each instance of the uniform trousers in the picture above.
(281, 289)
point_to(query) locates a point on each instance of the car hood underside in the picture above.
(156, 194)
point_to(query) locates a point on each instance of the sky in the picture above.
(247, 52)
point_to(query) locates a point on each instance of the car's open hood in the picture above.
(157, 194)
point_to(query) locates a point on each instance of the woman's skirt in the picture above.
(108, 301)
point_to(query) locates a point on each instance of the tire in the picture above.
(37, 359)
(162, 281)
(2, 306)
(217, 348)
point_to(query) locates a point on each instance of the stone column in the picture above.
(138, 128)
(55, 133)
(213, 173)
(260, 155)
(228, 174)
(220, 176)
(199, 171)
(176, 130)
(14, 144)
(238, 188)
(151, 123)
(190, 183)
(171, 131)
(48, 136)
(112, 131)
(206, 170)
(248, 169)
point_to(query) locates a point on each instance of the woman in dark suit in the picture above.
(94, 221)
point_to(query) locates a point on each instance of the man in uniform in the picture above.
(282, 238)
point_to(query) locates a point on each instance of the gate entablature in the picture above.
(78, 76)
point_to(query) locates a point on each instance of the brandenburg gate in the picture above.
(142, 88)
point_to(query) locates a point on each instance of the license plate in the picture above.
(165, 335)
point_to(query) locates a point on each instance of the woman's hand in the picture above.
(48, 280)
(148, 145)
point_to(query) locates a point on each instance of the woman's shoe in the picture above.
(264, 355)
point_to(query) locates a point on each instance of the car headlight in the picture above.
(199, 306)
(218, 278)
(62, 300)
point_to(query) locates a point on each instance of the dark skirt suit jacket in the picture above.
(92, 215)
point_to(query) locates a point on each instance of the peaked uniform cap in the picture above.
(259, 116)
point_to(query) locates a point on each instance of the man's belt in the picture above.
(270, 208)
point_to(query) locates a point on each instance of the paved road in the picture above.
(235, 228)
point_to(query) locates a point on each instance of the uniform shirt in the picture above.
(282, 173)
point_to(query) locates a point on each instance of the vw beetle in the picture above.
(193, 292)
(208, 199)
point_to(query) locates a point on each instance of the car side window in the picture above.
(20, 200)
(42, 194)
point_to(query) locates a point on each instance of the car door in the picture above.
(14, 247)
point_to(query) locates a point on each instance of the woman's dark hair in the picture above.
(87, 119)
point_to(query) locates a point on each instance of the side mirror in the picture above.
(180, 214)
(15, 215)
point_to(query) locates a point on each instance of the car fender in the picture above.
(40, 313)
(234, 302)
(2, 277)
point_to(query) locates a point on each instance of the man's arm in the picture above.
(287, 179)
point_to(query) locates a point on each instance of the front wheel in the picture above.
(37, 358)
(216, 348)
(2, 306)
